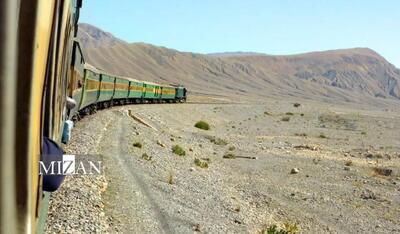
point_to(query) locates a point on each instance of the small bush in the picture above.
(273, 229)
(296, 104)
(200, 163)
(301, 134)
(170, 178)
(176, 149)
(348, 163)
(137, 145)
(316, 160)
(287, 229)
(301, 114)
(289, 113)
(291, 228)
(382, 171)
(267, 113)
(285, 119)
(202, 125)
(322, 136)
(218, 141)
(363, 133)
(231, 148)
(146, 157)
(229, 156)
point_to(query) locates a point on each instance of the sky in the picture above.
(276, 27)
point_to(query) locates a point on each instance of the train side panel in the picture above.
(180, 93)
(121, 88)
(107, 84)
(168, 93)
(90, 89)
(152, 91)
(76, 80)
(135, 89)
(36, 48)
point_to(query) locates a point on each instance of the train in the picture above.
(45, 83)
(91, 89)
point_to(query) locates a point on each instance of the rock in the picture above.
(192, 169)
(383, 171)
(306, 147)
(369, 155)
(160, 144)
(237, 221)
(196, 228)
(368, 194)
(294, 171)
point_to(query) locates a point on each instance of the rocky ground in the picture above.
(78, 207)
(308, 168)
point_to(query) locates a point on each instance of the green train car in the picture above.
(99, 90)
(91, 88)
(168, 93)
(106, 90)
(180, 94)
(121, 90)
(152, 91)
(76, 75)
(136, 90)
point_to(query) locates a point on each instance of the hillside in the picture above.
(90, 36)
(357, 75)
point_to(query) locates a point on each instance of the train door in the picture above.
(129, 88)
(144, 90)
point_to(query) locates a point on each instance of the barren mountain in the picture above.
(357, 75)
(91, 36)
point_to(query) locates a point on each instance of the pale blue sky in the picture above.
(272, 27)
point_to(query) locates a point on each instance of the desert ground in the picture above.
(306, 167)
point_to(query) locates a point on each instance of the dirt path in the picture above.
(128, 197)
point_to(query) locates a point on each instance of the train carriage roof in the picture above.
(131, 79)
(156, 84)
(92, 68)
(99, 71)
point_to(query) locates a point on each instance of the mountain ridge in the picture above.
(351, 75)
